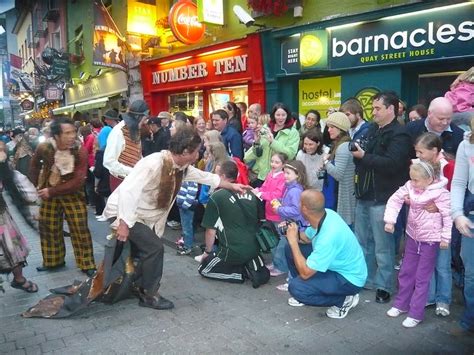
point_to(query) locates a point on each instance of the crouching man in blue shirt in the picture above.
(326, 262)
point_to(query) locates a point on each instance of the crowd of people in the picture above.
(350, 200)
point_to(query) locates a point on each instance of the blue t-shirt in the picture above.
(336, 248)
(103, 135)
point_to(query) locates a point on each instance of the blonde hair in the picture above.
(213, 136)
(427, 169)
(219, 154)
(263, 119)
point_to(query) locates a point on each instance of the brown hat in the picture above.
(165, 114)
(339, 120)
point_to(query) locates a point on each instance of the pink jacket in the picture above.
(423, 226)
(272, 188)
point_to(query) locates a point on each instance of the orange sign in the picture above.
(183, 19)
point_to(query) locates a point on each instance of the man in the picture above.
(159, 137)
(142, 202)
(227, 217)
(124, 147)
(230, 136)
(111, 119)
(328, 267)
(254, 111)
(58, 169)
(17, 136)
(381, 167)
(355, 113)
(438, 121)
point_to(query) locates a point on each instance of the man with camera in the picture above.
(381, 167)
(326, 262)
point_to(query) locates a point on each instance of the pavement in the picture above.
(209, 317)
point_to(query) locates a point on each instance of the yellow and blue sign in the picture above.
(314, 50)
(319, 94)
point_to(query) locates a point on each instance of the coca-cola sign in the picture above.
(184, 23)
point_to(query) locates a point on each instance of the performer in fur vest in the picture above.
(58, 170)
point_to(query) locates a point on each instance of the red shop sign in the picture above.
(183, 19)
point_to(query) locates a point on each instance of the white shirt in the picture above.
(135, 200)
(115, 146)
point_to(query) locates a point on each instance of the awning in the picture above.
(86, 105)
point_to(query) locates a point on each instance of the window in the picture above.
(79, 41)
(56, 40)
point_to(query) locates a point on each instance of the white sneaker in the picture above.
(101, 219)
(394, 312)
(410, 322)
(341, 312)
(282, 287)
(442, 309)
(198, 258)
(294, 303)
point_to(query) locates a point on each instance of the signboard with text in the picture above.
(319, 94)
(184, 22)
(432, 34)
(290, 55)
(211, 11)
(314, 50)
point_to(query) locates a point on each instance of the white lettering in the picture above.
(335, 45)
(358, 49)
(230, 65)
(402, 44)
(430, 33)
(412, 37)
(469, 32)
(376, 42)
(445, 30)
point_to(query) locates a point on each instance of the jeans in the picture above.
(187, 218)
(378, 245)
(467, 255)
(323, 288)
(279, 259)
(441, 283)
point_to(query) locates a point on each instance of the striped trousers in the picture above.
(72, 207)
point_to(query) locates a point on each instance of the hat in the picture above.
(165, 114)
(112, 115)
(17, 131)
(154, 120)
(339, 120)
(139, 107)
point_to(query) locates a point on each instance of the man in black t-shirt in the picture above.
(225, 219)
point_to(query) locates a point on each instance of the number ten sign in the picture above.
(183, 19)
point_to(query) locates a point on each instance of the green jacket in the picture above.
(286, 141)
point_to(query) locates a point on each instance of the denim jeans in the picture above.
(323, 288)
(378, 245)
(187, 217)
(467, 255)
(279, 259)
(442, 282)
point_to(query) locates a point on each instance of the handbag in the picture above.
(257, 272)
(267, 235)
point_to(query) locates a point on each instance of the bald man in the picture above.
(254, 111)
(326, 261)
(438, 121)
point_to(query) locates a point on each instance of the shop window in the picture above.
(219, 97)
(56, 40)
(434, 85)
(191, 103)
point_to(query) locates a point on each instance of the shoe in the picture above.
(50, 268)
(394, 312)
(174, 225)
(442, 309)
(410, 322)
(382, 296)
(294, 303)
(275, 272)
(101, 219)
(198, 258)
(282, 287)
(399, 265)
(156, 302)
(184, 251)
(89, 272)
(341, 312)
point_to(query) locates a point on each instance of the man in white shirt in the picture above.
(142, 202)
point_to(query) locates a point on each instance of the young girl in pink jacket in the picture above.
(426, 232)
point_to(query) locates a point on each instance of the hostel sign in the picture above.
(415, 37)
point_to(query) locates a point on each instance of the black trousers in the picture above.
(150, 252)
(215, 268)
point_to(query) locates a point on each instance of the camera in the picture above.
(322, 174)
(243, 16)
(283, 227)
(362, 142)
(263, 131)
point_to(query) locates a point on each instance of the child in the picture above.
(186, 201)
(426, 232)
(428, 148)
(273, 186)
(248, 137)
(289, 209)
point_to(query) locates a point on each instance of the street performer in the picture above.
(138, 209)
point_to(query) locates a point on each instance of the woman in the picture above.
(312, 157)
(462, 212)
(312, 120)
(234, 116)
(200, 128)
(278, 136)
(13, 246)
(339, 182)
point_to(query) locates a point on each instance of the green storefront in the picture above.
(416, 50)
